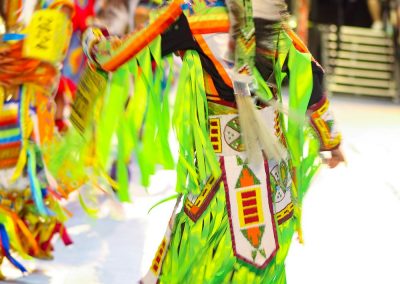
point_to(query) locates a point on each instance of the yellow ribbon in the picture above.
(2, 97)
(26, 129)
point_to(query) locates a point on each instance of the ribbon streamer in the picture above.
(5, 246)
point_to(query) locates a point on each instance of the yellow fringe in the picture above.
(2, 97)
(26, 130)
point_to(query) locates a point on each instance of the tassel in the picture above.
(60, 229)
(92, 212)
(64, 235)
(245, 108)
(270, 144)
(257, 136)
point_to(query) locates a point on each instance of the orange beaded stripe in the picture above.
(209, 26)
(135, 42)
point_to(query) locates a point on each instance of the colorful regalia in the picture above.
(74, 62)
(32, 45)
(245, 161)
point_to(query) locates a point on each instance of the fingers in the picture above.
(336, 158)
(338, 154)
(333, 162)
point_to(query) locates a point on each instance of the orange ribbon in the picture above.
(16, 70)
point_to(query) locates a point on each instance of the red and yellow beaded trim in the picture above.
(324, 125)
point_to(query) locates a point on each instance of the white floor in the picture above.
(351, 217)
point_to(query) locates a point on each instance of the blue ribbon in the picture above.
(9, 37)
(10, 139)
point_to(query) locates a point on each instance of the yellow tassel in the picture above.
(256, 135)
(92, 212)
(248, 130)
(20, 165)
(2, 97)
(270, 144)
(300, 235)
(110, 180)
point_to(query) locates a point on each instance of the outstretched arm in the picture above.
(111, 53)
(323, 121)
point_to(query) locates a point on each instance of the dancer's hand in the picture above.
(336, 158)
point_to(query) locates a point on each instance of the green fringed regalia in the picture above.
(237, 217)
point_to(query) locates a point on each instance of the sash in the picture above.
(251, 217)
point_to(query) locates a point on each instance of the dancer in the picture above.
(241, 172)
(239, 228)
(32, 45)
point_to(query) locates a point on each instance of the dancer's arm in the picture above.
(268, 18)
(110, 53)
(323, 121)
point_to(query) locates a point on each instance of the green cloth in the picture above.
(201, 252)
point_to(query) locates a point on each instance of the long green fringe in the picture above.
(197, 160)
(134, 112)
(302, 145)
(201, 251)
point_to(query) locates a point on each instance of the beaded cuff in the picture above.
(324, 125)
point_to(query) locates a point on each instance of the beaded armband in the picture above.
(324, 125)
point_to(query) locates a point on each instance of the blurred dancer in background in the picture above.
(32, 46)
(74, 62)
(117, 15)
